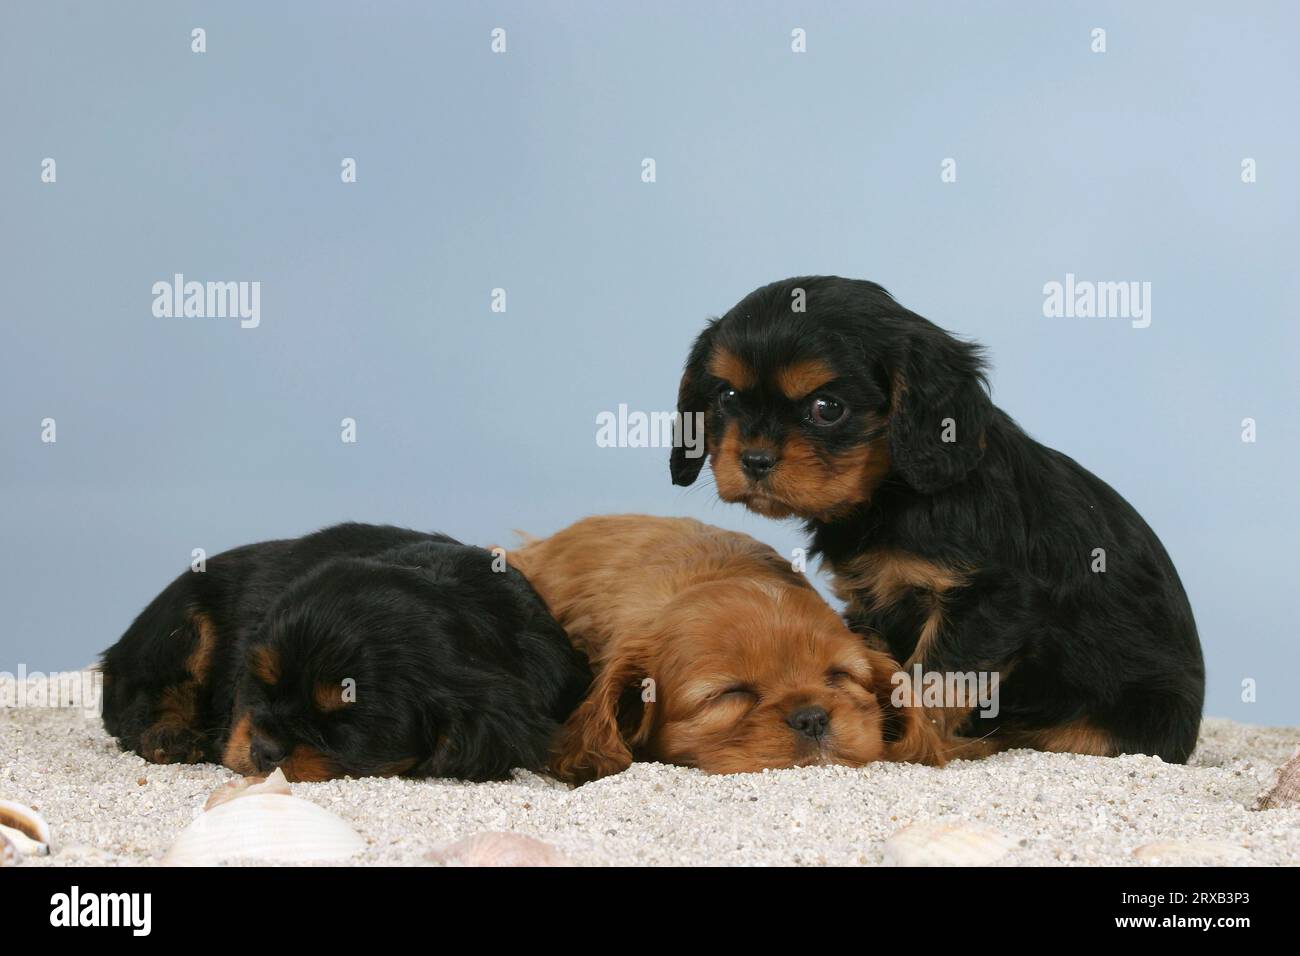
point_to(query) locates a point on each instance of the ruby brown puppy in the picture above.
(709, 651)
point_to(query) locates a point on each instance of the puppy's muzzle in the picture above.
(266, 754)
(811, 722)
(757, 462)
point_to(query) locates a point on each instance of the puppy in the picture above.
(711, 652)
(952, 535)
(359, 650)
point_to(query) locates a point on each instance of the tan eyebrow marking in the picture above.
(265, 665)
(731, 368)
(803, 378)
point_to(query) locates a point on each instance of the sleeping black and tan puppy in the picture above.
(360, 650)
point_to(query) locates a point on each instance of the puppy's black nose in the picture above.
(757, 462)
(810, 721)
(266, 754)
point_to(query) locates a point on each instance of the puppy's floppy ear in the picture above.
(693, 395)
(594, 742)
(939, 410)
(910, 735)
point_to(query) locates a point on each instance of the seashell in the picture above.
(944, 844)
(24, 829)
(264, 826)
(247, 786)
(1192, 853)
(8, 854)
(1285, 791)
(498, 849)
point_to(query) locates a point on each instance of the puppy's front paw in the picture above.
(168, 743)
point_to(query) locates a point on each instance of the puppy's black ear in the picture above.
(940, 409)
(693, 397)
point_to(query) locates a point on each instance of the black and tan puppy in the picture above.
(952, 535)
(358, 650)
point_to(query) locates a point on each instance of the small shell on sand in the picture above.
(945, 844)
(1192, 853)
(247, 786)
(498, 849)
(23, 830)
(264, 826)
(1285, 791)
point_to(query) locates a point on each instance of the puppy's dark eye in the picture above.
(837, 676)
(727, 396)
(825, 411)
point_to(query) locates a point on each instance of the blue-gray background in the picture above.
(522, 171)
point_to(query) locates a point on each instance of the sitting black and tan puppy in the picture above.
(955, 538)
(358, 650)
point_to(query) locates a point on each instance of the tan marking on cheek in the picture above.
(801, 379)
(827, 489)
(733, 484)
(264, 663)
(732, 369)
(236, 755)
(309, 764)
(727, 474)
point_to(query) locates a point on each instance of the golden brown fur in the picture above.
(704, 644)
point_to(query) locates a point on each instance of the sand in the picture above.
(105, 807)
